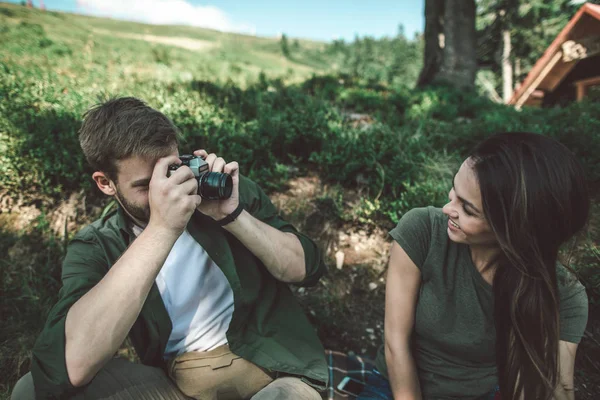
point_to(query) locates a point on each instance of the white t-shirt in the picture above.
(197, 296)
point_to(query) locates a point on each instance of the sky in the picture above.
(310, 19)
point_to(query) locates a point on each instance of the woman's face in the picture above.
(466, 221)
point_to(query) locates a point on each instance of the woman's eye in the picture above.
(467, 211)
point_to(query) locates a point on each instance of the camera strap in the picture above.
(231, 217)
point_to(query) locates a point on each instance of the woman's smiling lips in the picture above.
(453, 225)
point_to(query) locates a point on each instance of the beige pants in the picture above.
(218, 374)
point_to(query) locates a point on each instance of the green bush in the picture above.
(270, 127)
(29, 281)
(40, 152)
(362, 100)
(326, 87)
(446, 104)
(45, 42)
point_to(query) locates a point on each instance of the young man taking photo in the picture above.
(199, 285)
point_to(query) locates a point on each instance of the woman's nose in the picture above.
(449, 210)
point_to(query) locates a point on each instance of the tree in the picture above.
(285, 47)
(450, 42)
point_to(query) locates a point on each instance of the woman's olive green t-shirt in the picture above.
(454, 333)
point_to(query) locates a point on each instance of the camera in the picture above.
(211, 185)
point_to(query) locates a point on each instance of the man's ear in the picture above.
(104, 184)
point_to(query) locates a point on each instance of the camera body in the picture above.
(211, 185)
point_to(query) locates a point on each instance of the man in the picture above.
(200, 286)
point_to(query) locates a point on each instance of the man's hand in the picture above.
(219, 209)
(172, 199)
(281, 252)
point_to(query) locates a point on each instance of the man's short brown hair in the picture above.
(124, 127)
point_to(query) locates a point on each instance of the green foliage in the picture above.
(161, 55)
(393, 61)
(362, 100)
(446, 104)
(587, 269)
(30, 280)
(285, 47)
(325, 86)
(40, 153)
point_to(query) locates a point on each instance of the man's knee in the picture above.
(24, 390)
(287, 388)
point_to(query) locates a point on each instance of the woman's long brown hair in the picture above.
(535, 198)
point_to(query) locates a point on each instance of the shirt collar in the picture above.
(123, 223)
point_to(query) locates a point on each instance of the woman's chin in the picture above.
(455, 236)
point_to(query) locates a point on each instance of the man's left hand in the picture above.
(219, 209)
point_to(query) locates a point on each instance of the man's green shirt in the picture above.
(268, 326)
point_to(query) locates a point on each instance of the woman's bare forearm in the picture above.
(402, 373)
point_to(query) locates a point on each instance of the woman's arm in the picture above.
(566, 356)
(402, 289)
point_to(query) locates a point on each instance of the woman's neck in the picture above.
(484, 258)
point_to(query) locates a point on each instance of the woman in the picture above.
(476, 301)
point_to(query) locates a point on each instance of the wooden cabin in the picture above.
(569, 70)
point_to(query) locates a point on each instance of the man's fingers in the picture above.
(231, 168)
(201, 153)
(197, 200)
(190, 186)
(181, 175)
(210, 160)
(218, 165)
(162, 165)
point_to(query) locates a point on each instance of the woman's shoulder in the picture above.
(567, 279)
(569, 286)
(417, 231)
(422, 215)
(426, 222)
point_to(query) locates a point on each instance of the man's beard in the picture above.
(140, 214)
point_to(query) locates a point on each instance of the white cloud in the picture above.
(172, 12)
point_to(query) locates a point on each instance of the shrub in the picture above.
(362, 100)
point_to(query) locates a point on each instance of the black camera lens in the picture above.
(215, 186)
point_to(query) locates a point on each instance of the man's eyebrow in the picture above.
(467, 203)
(141, 182)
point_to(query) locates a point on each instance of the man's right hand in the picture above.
(172, 199)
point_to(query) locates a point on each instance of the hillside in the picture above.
(117, 53)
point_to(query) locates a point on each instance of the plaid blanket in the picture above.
(342, 365)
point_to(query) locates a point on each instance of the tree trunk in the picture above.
(507, 72)
(459, 64)
(449, 43)
(434, 41)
